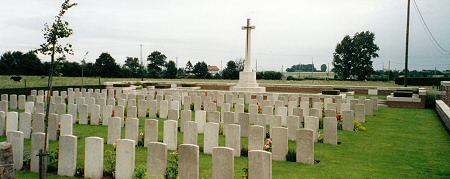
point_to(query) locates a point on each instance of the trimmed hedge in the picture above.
(407, 94)
(269, 75)
(421, 81)
(409, 90)
(331, 92)
(121, 85)
(27, 91)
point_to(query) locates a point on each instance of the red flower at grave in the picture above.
(113, 114)
(268, 145)
(338, 117)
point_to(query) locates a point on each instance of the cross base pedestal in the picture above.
(247, 82)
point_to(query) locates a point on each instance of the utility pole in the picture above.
(142, 60)
(389, 70)
(82, 69)
(256, 68)
(328, 73)
(142, 63)
(312, 67)
(176, 62)
(407, 45)
(282, 68)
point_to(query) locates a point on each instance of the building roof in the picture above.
(213, 68)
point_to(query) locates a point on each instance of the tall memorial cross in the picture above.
(247, 78)
(247, 62)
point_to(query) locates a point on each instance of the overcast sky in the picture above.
(287, 32)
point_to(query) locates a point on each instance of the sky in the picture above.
(288, 32)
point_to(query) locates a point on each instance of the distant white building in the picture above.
(213, 70)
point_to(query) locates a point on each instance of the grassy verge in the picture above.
(399, 143)
(41, 81)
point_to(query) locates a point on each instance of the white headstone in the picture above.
(292, 125)
(171, 134)
(16, 140)
(279, 143)
(256, 138)
(93, 158)
(312, 123)
(259, 164)
(156, 159)
(190, 133)
(25, 124)
(151, 131)
(210, 137)
(125, 158)
(233, 138)
(37, 143)
(330, 130)
(305, 146)
(222, 163)
(2, 123)
(132, 129)
(188, 164)
(66, 124)
(114, 130)
(348, 117)
(200, 118)
(67, 158)
(12, 122)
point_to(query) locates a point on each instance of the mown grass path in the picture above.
(398, 143)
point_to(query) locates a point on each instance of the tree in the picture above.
(301, 68)
(70, 69)
(106, 66)
(181, 73)
(189, 68)
(352, 58)
(201, 70)
(171, 70)
(89, 69)
(18, 63)
(132, 67)
(272, 75)
(157, 60)
(231, 71)
(240, 63)
(53, 33)
(323, 68)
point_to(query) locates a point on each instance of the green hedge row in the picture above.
(421, 81)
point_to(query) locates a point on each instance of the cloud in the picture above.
(287, 32)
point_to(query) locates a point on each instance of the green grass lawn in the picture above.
(38, 81)
(398, 143)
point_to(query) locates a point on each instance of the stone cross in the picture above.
(248, 61)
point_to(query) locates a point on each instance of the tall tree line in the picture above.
(19, 63)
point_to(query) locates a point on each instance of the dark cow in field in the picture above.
(16, 78)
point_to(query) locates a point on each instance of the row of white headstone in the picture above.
(259, 161)
(280, 134)
(92, 113)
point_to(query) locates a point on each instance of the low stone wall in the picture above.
(445, 88)
(408, 103)
(444, 112)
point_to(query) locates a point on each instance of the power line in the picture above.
(429, 33)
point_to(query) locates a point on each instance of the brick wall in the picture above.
(446, 95)
(403, 104)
